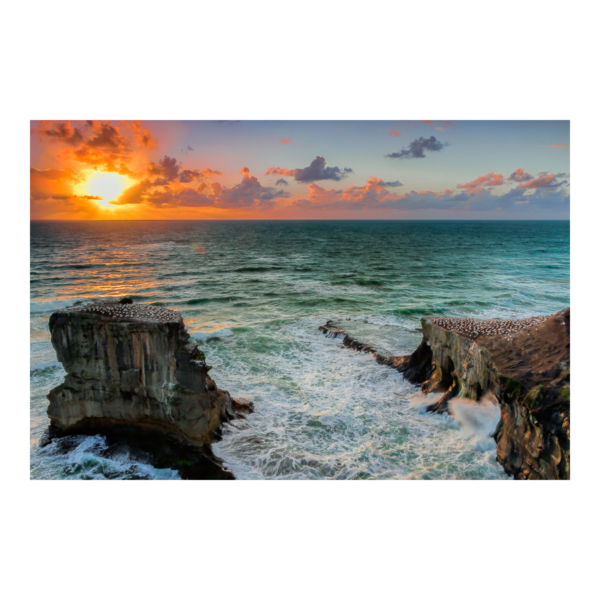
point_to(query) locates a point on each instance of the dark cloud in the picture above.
(61, 131)
(418, 147)
(281, 182)
(108, 138)
(391, 184)
(167, 167)
(188, 175)
(317, 171)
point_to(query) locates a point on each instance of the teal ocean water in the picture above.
(253, 294)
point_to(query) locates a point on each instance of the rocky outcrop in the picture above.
(524, 363)
(133, 371)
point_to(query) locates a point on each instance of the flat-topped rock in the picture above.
(479, 328)
(125, 310)
(132, 370)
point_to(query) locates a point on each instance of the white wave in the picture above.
(44, 364)
(86, 461)
(419, 401)
(202, 336)
(477, 419)
(323, 411)
(50, 305)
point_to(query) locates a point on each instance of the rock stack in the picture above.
(133, 371)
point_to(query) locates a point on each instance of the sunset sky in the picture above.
(438, 169)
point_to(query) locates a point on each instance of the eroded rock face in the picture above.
(133, 369)
(524, 363)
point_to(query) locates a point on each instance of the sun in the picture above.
(106, 185)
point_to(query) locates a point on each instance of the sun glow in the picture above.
(106, 185)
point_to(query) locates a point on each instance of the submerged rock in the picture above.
(133, 372)
(524, 363)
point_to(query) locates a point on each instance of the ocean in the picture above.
(253, 295)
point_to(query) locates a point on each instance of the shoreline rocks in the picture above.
(133, 373)
(524, 363)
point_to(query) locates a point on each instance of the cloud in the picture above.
(281, 182)
(557, 146)
(373, 195)
(519, 176)
(135, 194)
(284, 141)
(353, 197)
(52, 183)
(427, 122)
(544, 181)
(104, 145)
(394, 133)
(60, 131)
(248, 194)
(189, 175)
(392, 184)
(107, 137)
(447, 123)
(316, 171)
(167, 167)
(418, 147)
(489, 180)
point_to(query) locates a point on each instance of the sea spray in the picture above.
(477, 418)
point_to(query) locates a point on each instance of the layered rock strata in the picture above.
(133, 371)
(524, 363)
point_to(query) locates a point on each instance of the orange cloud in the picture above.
(284, 141)
(249, 194)
(371, 194)
(394, 133)
(489, 180)
(278, 171)
(546, 180)
(558, 146)
(103, 145)
(52, 183)
(427, 122)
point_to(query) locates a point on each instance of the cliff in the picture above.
(132, 371)
(524, 363)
